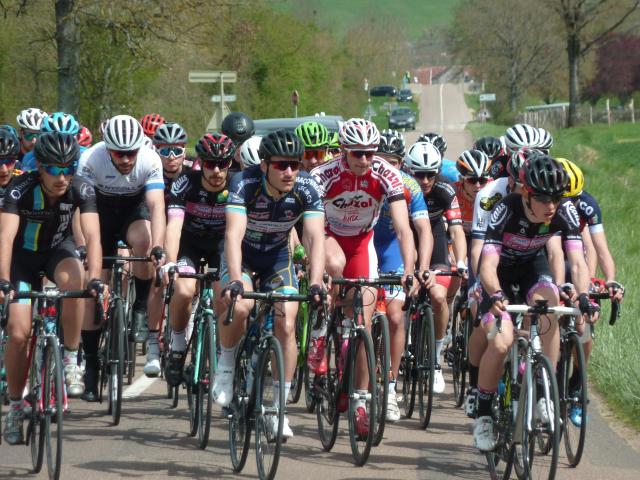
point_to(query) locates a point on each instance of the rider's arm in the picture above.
(400, 219)
(605, 260)
(589, 252)
(90, 225)
(9, 224)
(489, 269)
(174, 232)
(476, 251)
(459, 243)
(155, 201)
(313, 239)
(234, 233)
(77, 230)
(556, 259)
(425, 242)
(579, 271)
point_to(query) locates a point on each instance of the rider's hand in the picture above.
(462, 269)
(586, 307)
(567, 292)
(96, 287)
(233, 289)
(5, 289)
(317, 292)
(411, 288)
(616, 290)
(157, 256)
(169, 272)
(500, 302)
(427, 278)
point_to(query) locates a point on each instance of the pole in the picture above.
(633, 113)
(608, 112)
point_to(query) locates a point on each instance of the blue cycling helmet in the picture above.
(60, 122)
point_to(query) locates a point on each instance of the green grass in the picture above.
(608, 157)
(473, 101)
(414, 15)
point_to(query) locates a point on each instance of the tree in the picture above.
(587, 23)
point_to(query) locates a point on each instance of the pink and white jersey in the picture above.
(352, 203)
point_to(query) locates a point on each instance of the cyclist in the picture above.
(355, 185)
(495, 149)
(29, 122)
(35, 235)
(448, 170)
(150, 123)
(512, 256)
(9, 151)
(84, 137)
(387, 248)
(54, 122)
(520, 136)
(334, 145)
(127, 177)
(195, 230)
(238, 127)
(424, 162)
(169, 141)
(315, 138)
(265, 202)
(249, 152)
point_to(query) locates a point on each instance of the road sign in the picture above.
(227, 98)
(487, 97)
(216, 76)
(212, 76)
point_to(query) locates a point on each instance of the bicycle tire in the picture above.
(467, 329)
(408, 367)
(549, 461)
(325, 395)
(297, 380)
(131, 343)
(192, 393)
(207, 372)
(426, 347)
(3, 381)
(239, 412)
(309, 397)
(574, 436)
(53, 399)
(116, 373)
(361, 447)
(270, 361)
(35, 427)
(382, 350)
(454, 353)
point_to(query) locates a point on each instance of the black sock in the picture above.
(473, 376)
(90, 341)
(142, 293)
(484, 403)
(575, 381)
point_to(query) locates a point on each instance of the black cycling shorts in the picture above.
(115, 223)
(440, 253)
(192, 249)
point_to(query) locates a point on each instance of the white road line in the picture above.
(441, 109)
(139, 386)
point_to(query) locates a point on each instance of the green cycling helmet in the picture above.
(313, 134)
(334, 140)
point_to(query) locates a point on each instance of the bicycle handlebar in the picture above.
(527, 309)
(272, 297)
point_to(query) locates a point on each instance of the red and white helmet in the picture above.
(359, 134)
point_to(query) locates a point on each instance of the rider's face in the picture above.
(359, 161)
(282, 172)
(124, 161)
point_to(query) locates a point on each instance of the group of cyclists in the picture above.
(511, 219)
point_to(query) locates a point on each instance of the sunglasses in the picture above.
(212, 164)
(362, 153)
(294, 165)
(314, 153)
(427, 175)
(474, 180)
(56, 171)
(546, 199)
(9, 162)
(166, 151)
(127, 153)
(30, 135)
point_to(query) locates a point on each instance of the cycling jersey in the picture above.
(113, 189)
(269, 221)
(589, 211)
(441, 201)
(449, 171)
(43, 226)
(498, 168)
(202, 210)
(466, 207)
(486, 199)
(352, 203)
(517, 240)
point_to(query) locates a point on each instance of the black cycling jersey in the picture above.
(442, 201)
(518, 240)
(498, 168)
(43, 226)
(589, 211)
(203, 211)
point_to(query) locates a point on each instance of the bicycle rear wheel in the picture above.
(455, 353)
(302, 334)
(573, 399)
(239, 412)
(325, 392)
(382, 350)
(53, 403)
(206, 374)
(35, 427)
(426, 366)
(362, 403)
(408, 369)
(309, 397)
(116, 360)
(269, 407)
(193, 398)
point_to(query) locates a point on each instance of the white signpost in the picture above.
(213, 76)
(487, 97)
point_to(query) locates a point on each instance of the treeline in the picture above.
(97, 58)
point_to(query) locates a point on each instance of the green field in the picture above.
(414, 15)
(608, 157)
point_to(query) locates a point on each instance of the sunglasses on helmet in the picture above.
(220, 163)
(282, 166)
(125, 153)
(166, 151)
(9, 162)
(474, 180)
(55, 171)
(546, 199)
(423, 175)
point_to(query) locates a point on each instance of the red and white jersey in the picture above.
(352, 203)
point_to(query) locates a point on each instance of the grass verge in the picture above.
(608, 157)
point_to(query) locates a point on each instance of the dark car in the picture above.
(402, 117)
(383, 91)
(268, 125)
(405, 95)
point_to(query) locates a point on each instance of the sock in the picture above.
(153, 347)
(439, 345)
(142, 293)
(392, 386)
(70, 357)
(484, 402)
(361, 402)
(575, 380)
(227, 358)
(90, 341)
(178, 340)
(473, 376)
(320, 332)
(15, 404)
(275, 386)
(287, 389)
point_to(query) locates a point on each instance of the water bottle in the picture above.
(268, 321)
(251, 347)
(501, 387)
(50, 319)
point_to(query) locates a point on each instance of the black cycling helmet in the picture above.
(491, 146)
(543, 174)
(281, 143)
(9, 144)
(215, 146)
(238, 127)
(57, 148)
(436, 139)
(391, 142)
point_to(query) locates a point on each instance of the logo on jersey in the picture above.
(543, 228)
(487, 204)
(180, 185)
(389, 174)
(222, 196)
(498, 215)
(87, 191)
(355, 202)
(569, 214)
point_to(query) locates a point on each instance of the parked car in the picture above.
(402, 117)
(268, 125)
(405, 95)
(383, 91)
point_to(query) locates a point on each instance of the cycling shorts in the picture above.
(114, 224)
(360, 253)
(440, 253)
(390, 260)
(193, 249)
(273, 270)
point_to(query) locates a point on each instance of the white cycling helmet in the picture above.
(31, 119)
(423, 157)
(123, 133)
(545, 140)
(521, 135)
(249, 151)
(473, 163)
(359, 134)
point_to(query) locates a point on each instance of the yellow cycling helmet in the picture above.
(576, 177)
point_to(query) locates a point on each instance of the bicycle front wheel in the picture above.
(573, 398)
(362, 402)
(455, 353)
(269, 407)
(53, 404)
(309, 397)
(325, 393)
(206, 374)
(382, 351)
(426, 366)
(116, 360)
(238, 412)
(35, 427)
(408, 369)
